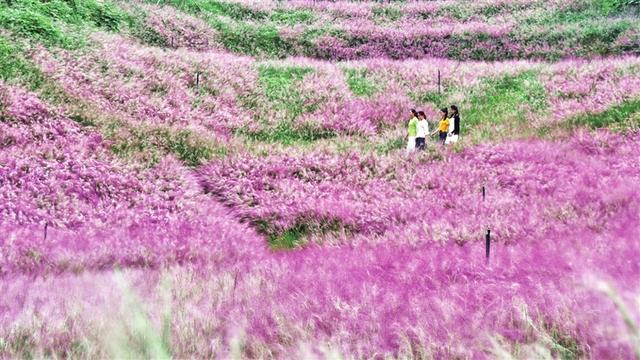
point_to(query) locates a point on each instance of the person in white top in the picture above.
(422, 131)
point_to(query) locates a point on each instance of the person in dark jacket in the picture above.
(454, 128)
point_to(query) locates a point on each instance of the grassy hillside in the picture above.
(229, 179)
(465, 30)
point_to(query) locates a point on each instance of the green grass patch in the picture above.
(285, 133)
(455, 11)
(359, 82)
(253, 39)
(493, 10)
(278, 80)
(608, 7)
(500, 101)
(289, 239)
(386, 13)
(429, 97)
(585, 25)
(625, 113)
(156, 141)
(245, 30)
(15, 69)
(296, 235)
(292, 17)
(563, 346)
(585, 11)
(137, 23)
(264, 40)
(58, 22)
(279, 84)
(390, 145)
(600, 38)
(147, 144)
(215, 8)
(578, 12)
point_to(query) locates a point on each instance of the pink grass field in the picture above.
(404, 274)
(115, 243)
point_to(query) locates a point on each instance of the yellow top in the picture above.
(443, 126)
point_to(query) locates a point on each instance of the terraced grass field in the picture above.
(228, 179)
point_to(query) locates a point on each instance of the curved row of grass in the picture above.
(583, 28)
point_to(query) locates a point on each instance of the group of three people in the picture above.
(448, 128)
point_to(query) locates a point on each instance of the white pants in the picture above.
(451, 139)
(411, 144)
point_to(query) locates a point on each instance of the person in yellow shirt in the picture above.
(443, 126)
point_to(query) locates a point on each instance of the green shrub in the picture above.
(105, 15)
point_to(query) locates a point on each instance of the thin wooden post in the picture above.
(439, 81)
(46, 225)
(197, 80)
(488, 244)
(235, 283)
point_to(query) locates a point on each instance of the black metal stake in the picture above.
(197, 80)
(488, 244)
(483, 193)
(439, 77)
(46, 225)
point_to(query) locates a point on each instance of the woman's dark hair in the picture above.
(454, 108)
(422, 114)
(414, 112)
(446, 112)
